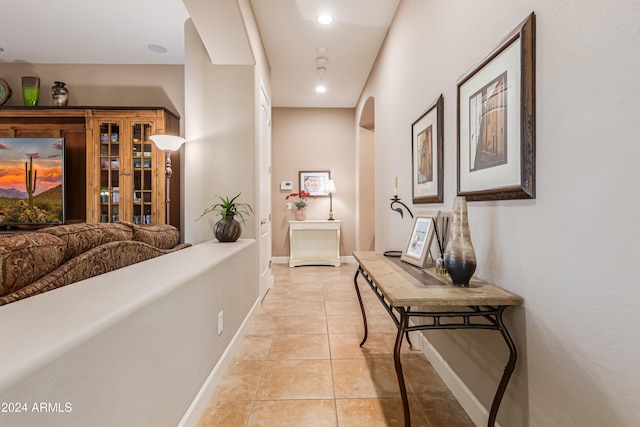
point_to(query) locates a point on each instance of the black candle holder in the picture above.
(397, 254)
(395, 200)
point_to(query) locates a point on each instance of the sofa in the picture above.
(50, 258)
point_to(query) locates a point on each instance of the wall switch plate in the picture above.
(286, 185)
(220, 322)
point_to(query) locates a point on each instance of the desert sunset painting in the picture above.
(31, 177)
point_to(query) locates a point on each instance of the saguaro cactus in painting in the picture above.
(31, 178)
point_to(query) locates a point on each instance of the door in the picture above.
(129, 170)
(264, 180)
(110, 172)
(147, 201)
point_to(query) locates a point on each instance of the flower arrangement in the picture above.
(302, 196)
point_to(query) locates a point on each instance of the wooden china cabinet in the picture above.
(113, 172)
(125, 170)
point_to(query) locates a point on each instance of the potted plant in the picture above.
(227, 229)
(300, 204)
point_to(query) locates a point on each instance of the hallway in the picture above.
(301, 365)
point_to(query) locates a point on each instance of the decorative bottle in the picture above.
(30, 90)
(59, 94)
(459, 256)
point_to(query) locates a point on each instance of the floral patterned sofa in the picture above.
(33, 263)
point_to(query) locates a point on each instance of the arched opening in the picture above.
(365, 209)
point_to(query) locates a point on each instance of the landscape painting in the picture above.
(31, 181)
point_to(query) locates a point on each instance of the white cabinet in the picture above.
(314, 242)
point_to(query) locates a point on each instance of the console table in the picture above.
(314, 242)
(400, 286)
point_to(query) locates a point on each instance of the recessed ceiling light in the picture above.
(324, 19)
(157, 48)
(321, 89)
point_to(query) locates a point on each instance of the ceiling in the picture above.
(292, 37)
(132, 32)
(92, 32)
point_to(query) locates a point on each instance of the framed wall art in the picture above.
(427, 148)
(496, 121)
(315, 182)
(32, 184)
(418, 244)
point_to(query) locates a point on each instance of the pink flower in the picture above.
(303, 196)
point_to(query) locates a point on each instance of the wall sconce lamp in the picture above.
(331, 188)
(168, 144)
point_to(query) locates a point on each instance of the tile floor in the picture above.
(303, 366)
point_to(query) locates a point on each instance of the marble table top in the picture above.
(398, 283)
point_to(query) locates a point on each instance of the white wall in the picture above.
(570, 252)
(221, 126)
(131, 347)
(219, 133)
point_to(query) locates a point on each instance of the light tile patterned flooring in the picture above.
(301, 365)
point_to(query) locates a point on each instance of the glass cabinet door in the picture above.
(129, 169)
(110, 173)
(143, 160)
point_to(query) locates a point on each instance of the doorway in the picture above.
(365, 208)
(264, 165)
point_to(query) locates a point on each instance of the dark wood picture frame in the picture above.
(427, 155)
(496, 121)
(314, 182)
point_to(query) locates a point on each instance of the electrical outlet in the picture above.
(289, 206)
(220, 322)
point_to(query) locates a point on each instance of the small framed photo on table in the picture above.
(316, 183)
(418, 244)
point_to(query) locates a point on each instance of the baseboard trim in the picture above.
(285, 260)
(469, 402)
(199, 403)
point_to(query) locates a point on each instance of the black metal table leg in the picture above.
(406, 334)
(364, 316)
(508, 369)
(402, 330)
